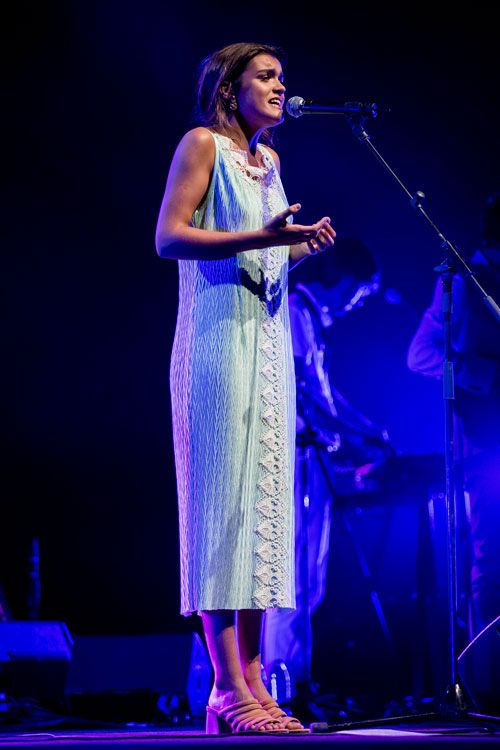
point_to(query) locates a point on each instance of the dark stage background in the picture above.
(98, 96)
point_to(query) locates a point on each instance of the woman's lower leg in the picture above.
(249, 636)
(220, 634)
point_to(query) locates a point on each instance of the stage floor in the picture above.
(464, 734)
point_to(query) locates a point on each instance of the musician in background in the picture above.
(476, 354)
(337, 447)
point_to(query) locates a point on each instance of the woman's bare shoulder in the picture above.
(198, 143)
(199, 135)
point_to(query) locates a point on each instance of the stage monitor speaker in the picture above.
(479, 669)
(106, 669)
(34, 659)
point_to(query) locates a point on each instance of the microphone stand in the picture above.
(453, 705)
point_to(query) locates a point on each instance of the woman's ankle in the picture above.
(225, 684)
(228, 692)
(258, 688)
(252, 672)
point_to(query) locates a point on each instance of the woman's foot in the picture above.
(290, 723)
(266, 700)
(240, 710)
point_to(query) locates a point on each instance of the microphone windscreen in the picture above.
(293, 106)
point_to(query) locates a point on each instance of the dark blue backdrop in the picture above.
(99, 95)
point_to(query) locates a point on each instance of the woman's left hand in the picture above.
(323, 240)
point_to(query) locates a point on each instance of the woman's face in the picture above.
(260, 92)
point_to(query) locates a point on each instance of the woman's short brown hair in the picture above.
(226, 66)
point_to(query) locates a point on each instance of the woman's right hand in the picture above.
(280, 232)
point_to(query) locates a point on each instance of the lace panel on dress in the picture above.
(271, 551)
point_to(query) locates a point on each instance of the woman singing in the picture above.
(226, 219)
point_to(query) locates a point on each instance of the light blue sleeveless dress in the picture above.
(233, 402)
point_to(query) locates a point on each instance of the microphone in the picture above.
(297, 106)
